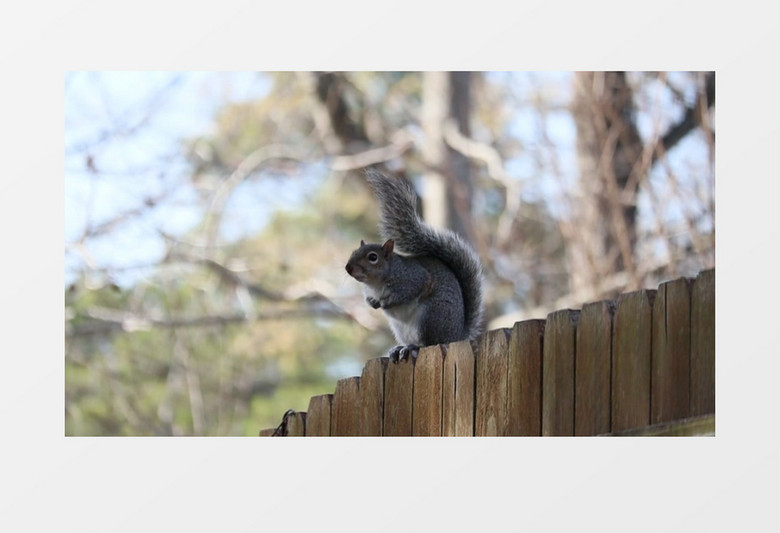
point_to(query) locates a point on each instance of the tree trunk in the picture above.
(603, 229)
(447, 180)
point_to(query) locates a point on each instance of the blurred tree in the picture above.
(608, 149)
(448, 177)
(614, 164)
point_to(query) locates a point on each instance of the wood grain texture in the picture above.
(593, 360)
(399, 387)
(613, 368)
(458, 391)
(427, 392)
(345, 411)
(631, 350)
(703, 344)
(491, 391)
(524, 380)
(318, 416)
(296, 425)
(558, 372)
(372, 397)
(671, 352)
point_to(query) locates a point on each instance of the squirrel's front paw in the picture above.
(399, 353)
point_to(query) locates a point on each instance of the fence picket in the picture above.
(671, 352)
(631, 348)
(592, 364)
(345, 412)
(703, 344)
(399, 385)
(318, 416)
(372, 391)
(427, 392)
(558, 372)
(296, 425)
(524, 393)
(458, 391)
(492, 374)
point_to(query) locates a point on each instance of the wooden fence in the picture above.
(641, 365)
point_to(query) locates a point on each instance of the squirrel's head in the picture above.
(370, 262)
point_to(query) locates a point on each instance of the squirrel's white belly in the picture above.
(404, 318)
(404, 321)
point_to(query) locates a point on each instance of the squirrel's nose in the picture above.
(348, 268)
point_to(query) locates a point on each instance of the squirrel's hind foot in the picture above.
(399, 353)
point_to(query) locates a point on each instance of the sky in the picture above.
(106, 120)
(129, 126)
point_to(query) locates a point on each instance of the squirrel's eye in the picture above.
(372, 257)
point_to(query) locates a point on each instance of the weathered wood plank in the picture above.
(372, 392)
(458, 393)
(524, 381)
(593, 361)
(318, 416)
(427, 392)
(631, 348)
(399, 386)
(671, 352)
(492, 373)
(345, 411)
(611, 369)
(558, 372)
(296, 425)
(703, 344)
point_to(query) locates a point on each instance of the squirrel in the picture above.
(431, 292)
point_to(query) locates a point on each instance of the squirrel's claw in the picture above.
(411, 351)
(399, 353)
(394, 354)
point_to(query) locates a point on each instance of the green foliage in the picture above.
(223, 378)
(233, 377)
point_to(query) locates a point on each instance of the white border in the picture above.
(726, 483)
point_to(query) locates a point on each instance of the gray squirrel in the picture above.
(432, 294)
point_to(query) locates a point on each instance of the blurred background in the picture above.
(209, 216)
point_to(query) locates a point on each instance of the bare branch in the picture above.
(401, 144)
(476, 150)
(495, 168)
(615, 283)
(692, 117)
(109, 225)
(111, 320)
(248, 165)
(233, 279)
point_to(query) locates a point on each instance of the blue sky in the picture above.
(130, 125)
(105, 118)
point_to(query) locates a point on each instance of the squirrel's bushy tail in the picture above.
(399, 221)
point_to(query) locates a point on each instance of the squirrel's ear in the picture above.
(387, 247)
(362, 243)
